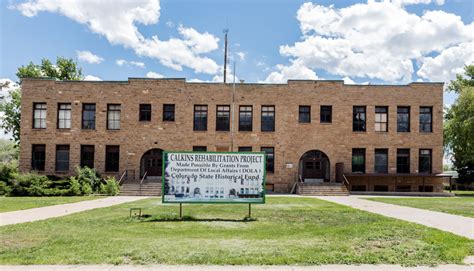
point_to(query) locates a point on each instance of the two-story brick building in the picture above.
(378, 137)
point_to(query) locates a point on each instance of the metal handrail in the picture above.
(121, 177)
(144, 176)
(345, 179)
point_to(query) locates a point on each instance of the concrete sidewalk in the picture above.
(35, 214)
(456, 224)
(335, 267)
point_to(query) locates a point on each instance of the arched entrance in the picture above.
(152, 163)
(314, 166)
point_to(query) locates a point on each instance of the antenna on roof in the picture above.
(226, 30)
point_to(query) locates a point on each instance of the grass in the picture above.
(284, 231)
(8, 204)
(454, 205)
(462, 192)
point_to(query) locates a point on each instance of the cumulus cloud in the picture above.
(154, 75)
(88, 57)
(377, 40)
(92, 78)
(123, 62)
(117, 21)
(241, 55)
(294, 71)
(348, 81)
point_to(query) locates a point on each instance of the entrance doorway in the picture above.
(314, 167)
(152, 163)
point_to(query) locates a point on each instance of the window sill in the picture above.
(199, 131)
(360, 132)
(145, 121)
(222, 132)
(88, 130)
(113, 130)
(325, 123)
(267, 131)
(63, 129)
(304, 123)
(168, 121)
(38, 129)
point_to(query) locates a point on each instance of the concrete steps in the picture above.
(305, 189)
(147, 189)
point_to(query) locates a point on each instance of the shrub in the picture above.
(74, 187)
(86, 189)
(88, 176)
(5, 190)
(8, 171)
(30, 184)
(111, 187)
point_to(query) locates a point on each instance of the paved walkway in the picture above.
(336, 267)
(42, 213)
(456, 224)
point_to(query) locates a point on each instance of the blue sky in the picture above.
(271, 41)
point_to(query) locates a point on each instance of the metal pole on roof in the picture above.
(232, 112)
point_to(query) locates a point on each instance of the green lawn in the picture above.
(287, 231)
(8, 204)
(462, 192)
(454, 205)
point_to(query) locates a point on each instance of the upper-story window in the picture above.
(168, 112)
(200, 118)
(403, 119)
(424, 161)
(38, 157)
(381, 119)
(39, 115)
(268, 118)
(325, 114)
(88, 116)
(403, 160)
(245, 118)
(64, 116)
(426, 119)
(358, 160)
(145, 112)
(358, 119)
(113, 116)
(304, 115)
(223, 118)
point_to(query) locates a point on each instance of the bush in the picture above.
(8, 171)
(86, 189)
(5, 190)
(74, 187)
(88, 176)
(30, 184)
(111, 187)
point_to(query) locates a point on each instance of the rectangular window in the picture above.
(358, 120)
(424, 161)
(145, 112)
(270, 162)
(358, 160)
(112, 158)
(64, 116)
(38, 157)
(87, 156)
(113, 116)
(426, 119)
(403, 119)
(304, 114)
(200, 118)
(62, 157)
(245, 149)
(326, 113)
(223, 118)
(168, 112)
(403, 160)
(381, 161)
(245, 118)
(88, 116)
(199, 148)
(381, 119)
(268, 118)
(39, 115)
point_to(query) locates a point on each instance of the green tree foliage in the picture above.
(459, 125)
(8, 152)
(64, 69)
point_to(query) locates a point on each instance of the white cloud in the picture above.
(88, 57)
(377, 40)
(241, 55)
(117, 21)
(446, 65)
(415, 2)
(92, 78)
(348, 81)
(170, 24)
(123, 62)
(154, 75)
(294, 71)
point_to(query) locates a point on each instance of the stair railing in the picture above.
(121, 177)
(144, 176)
(346, 181)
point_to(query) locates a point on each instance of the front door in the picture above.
(153, 163)
(313, 168)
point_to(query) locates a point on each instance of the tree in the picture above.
(459, 125)
(65, 69)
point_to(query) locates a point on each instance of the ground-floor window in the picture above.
(358, 188)
(424, 161)
(112, 158)
(245, 149)
(403, 188)
(62, 157)
(426, 188)
(38, 156)
(403, 160)
(87, 156)
(358, 160)
(381, 161)
(199, 148)
(270, 151)
(381, 188)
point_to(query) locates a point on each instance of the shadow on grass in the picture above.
(150, 218)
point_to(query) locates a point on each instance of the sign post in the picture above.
(207, 177)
